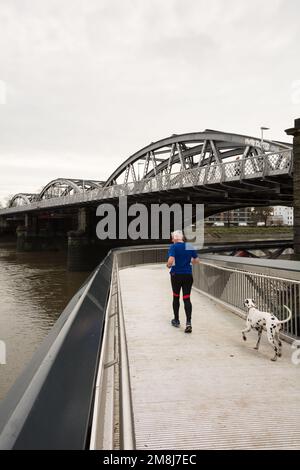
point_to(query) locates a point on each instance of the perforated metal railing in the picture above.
(232, 286)
(261, 166)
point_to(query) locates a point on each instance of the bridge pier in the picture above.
(27, 234)
(295, 132)
(37, 235)
(3, 225)
(85, 251)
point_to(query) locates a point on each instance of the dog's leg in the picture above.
(246, 330)
(271, 339)
(279, 342)
(259, 337)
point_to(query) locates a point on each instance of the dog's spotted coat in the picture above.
(258, 320)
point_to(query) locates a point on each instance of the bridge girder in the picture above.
(187, 151)
(67, 186)
(56, 188)
(169, 158)
(21, 199)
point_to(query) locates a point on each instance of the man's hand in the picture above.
(170, 262)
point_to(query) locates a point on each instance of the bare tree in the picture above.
(262, 214)
(7, 200)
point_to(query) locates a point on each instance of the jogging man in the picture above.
(180, 257)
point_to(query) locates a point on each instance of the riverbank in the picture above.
(231, 234)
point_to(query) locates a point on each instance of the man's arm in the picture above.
(195, 258)
(171, 257)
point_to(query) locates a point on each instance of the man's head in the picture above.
(177, 236)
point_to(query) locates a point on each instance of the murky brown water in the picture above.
(34, 289)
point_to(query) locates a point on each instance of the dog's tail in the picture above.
(289, 317)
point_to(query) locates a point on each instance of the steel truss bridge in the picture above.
(221, 170)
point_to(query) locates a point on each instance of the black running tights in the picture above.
(184, 282)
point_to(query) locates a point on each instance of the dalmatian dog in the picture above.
(258, 320)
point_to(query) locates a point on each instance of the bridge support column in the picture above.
(33, 237)
(80, 252)
(85, 251)
(82, 219)
(3, 225)
(27, 234)
(295, 132)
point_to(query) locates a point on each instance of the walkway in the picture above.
(207, 390)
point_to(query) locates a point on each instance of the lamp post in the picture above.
(295, 132)
(262, 129)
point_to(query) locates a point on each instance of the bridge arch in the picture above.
(22, 199)
(186, 151)
(68, 186)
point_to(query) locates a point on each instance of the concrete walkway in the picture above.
(207, 390)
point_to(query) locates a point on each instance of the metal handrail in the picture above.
(104, 414)
(127, 433)
(223, 268)
(98, 439)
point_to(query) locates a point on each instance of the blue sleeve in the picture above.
(191, 250)
(171, 251)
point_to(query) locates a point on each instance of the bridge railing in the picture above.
(232, 286)
(253, 167)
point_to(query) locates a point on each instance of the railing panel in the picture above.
(269, 292)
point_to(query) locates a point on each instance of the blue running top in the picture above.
(183, 254)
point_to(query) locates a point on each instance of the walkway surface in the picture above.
(207, 390)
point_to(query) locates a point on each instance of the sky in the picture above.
(86, 83)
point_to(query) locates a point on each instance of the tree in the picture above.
(7, 200)
(262, 214)
(228, 216)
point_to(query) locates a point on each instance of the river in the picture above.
(34, 289)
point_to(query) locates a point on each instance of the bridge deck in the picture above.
(207, 390)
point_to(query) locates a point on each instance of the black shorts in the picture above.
(184, 282)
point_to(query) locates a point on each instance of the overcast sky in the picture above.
(86, 83)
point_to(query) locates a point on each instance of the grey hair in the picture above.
(177, 235)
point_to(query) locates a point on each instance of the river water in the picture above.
(34, 289)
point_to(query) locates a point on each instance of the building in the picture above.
(235, 217)
(286, 214)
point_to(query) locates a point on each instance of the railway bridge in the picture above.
(220, 170)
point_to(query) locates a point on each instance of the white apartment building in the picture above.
(286, 214)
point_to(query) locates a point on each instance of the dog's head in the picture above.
(249, 303)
